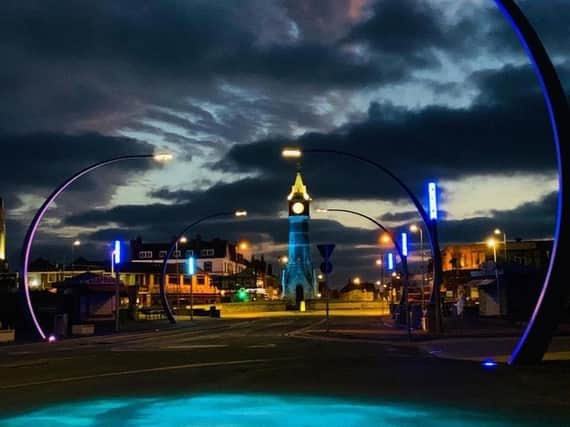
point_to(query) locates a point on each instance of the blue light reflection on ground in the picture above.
(247, 410)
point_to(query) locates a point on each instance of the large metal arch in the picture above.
(28, 240)
(430, 226)
(546, 315)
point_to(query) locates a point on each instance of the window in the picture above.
(172, 279)
(145, 254)
(176, 254)
(207, 252)
(189, 252)
(208, 266)
(200, 280)
(162, 254)
(187, 280)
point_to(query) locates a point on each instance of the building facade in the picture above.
(299, 278)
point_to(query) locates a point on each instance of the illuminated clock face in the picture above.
(298, 208)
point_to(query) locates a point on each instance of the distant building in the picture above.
(358, 291)
(216, 257)
(470, 270)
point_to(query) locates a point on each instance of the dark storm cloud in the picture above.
(35, 164)
(506, 130)
(85, 65)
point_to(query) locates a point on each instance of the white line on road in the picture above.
(270, 345)
(194, 346)
(140, 371)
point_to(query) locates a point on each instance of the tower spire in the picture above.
(299, 188)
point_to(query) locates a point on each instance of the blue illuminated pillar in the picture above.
(115, 261)
(390, 261)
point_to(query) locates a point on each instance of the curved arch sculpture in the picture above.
(430, 225)
(163, 299)
(546, 315)
(403, 258)
(27, 244)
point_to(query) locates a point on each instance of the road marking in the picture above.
(270, 345)
(193, 346)
(140, 371)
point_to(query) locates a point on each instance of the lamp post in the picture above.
(164, 300)
(498, 232)
(182, 240)
(402, 252)
(75, 243)
(115, 261)
(430, 220)
(283, 260)
(415, 229)
(28, 239)
(492, 243)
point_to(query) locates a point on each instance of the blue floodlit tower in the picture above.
(299, 281)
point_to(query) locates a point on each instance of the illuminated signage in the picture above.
(190, 266)
(117, 252)
(432, 193)
(404, 244)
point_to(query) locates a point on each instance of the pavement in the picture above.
(359, 359)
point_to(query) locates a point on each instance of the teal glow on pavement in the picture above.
(248, 410)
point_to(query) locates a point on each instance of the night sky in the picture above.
(433, 89)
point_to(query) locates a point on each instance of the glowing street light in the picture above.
(356, 281)
(240, 213)
(291, 153)
(379, 262)
(385, 238)
(163, 157)
(492, 243)
(183, 239)
(243, 245)
(498, 232)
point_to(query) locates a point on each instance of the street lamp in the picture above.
(27, 243)
(417, 229)
(164, 300)
(429, 219)
(498, 232)
(492, 243)
(402, 252)
(75, 243)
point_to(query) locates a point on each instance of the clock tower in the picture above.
(299, 281)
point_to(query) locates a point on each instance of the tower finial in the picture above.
(299, 188)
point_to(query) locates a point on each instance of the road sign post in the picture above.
(326, 267)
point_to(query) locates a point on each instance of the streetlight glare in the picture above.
(163, 157)
(284, 259)
(291, 153)
(491, 242)
(322, 210)
(385, 238)
(183, 239)
(77, 242)
(378, 262)
(414, 228)
(241, 213)
(356, 281)
(497, 231)
(243, 245)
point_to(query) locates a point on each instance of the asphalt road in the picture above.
(264, 356)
